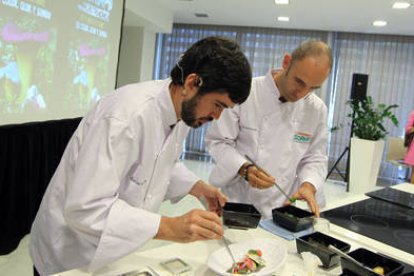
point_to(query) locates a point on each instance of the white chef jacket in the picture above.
(288, 140)
(120, 164)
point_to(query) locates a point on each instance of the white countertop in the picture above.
(197, 253)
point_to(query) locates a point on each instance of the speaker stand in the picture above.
(344, 177)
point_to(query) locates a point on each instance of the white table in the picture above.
(196, 254)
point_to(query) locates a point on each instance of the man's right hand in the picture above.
(192, 226)
(259, 179)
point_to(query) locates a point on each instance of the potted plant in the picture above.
(367, 142)
(368, 120)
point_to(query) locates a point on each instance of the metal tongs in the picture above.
(346, 256)
(291, 199)
(227, 244)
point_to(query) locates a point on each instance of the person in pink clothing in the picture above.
(409, 157)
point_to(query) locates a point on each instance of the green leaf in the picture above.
(368, 120)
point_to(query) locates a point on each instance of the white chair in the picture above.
(396, 153)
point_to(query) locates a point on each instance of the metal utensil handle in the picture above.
(261, 169)
(342, 254)
(346, 256)
(283, 192)
(226, 243)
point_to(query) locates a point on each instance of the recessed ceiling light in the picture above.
(379, 23)
(283, 18)
(401, 5)
(203, 15)
(281, 2)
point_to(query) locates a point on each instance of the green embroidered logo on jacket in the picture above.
(301, 138)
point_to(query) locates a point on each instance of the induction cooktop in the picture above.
(386, 222)
(394, 196)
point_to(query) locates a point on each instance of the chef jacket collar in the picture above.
(270, 93)
(270, 81)
(282, 99)
(168, 115)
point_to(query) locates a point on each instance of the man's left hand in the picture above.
(307, 192)
(209, 194)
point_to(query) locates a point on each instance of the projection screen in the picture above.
(57, 58)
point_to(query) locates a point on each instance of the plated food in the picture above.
(251, 262)
(273, 254)
(379, 270)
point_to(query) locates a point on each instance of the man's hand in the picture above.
(307, 192)
(257, 177)
(192, 226)
(211, 195)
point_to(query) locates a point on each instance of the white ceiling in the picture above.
(331, 15)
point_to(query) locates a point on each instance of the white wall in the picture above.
(143, 19)
(129, 55)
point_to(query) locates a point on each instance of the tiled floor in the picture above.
(18, 263)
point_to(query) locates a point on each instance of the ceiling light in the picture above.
(201, 15)
(379, 23)
(282, 2)
(401, 5)
(283, 18)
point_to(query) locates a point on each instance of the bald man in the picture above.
(282, 127)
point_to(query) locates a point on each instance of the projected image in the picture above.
(57, 58)
(89, 64)
(25, 46)
(9, 77)
(89, 54)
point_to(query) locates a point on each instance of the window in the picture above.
(388, 60)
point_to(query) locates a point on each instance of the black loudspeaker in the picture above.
(359, 87)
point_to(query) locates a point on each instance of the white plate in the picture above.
(274, 253)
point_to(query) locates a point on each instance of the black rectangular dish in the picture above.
(317, 243)
(383, 265)
(292, 218)
(240, 215)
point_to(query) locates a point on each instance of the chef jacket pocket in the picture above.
(301, 148)
(136, 187)
(301, 141)
(247, 128)
(138, 180)
(248, 137)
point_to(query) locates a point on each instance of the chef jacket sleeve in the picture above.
(313, 166)
(221, 144)
(92, 206)
(181, 182)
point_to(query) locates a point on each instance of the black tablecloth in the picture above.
(29, 155)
